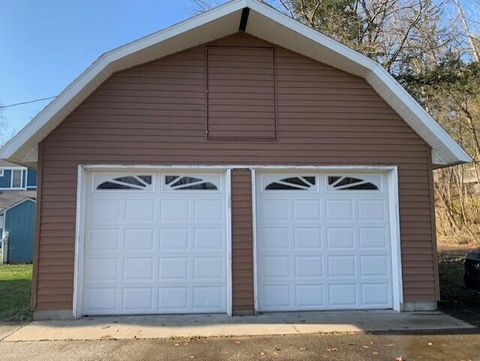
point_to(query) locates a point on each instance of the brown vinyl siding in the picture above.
(242, 245)
(156, 114)
(234, 96)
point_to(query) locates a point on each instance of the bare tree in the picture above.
(424, 45)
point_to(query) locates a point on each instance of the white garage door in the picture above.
(155, 243)
(323, 242)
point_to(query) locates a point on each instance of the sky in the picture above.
(44, 45)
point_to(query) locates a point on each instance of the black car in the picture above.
(472, 269)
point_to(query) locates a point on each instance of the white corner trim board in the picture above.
(264, 22)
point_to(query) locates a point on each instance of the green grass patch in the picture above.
(15, 284)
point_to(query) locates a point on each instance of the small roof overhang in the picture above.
(263, 22)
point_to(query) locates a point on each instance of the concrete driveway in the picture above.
(356, 347)
(281, 336)
(141, 327)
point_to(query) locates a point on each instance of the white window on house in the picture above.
(17, 178)
(1, 173)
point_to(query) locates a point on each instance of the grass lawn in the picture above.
(455, 298)
(15, 281)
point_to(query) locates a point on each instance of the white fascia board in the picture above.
(200, 29)
(4, 210)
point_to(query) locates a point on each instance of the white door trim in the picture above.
(82, 174)
(394, 219)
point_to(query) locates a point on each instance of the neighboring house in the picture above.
(470, 179)
(237, 162)
(14, 177)
(17, 224)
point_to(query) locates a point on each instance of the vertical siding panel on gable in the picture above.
(155, 114)
(242, 242)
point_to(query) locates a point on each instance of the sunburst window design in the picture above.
(177, 182)
(130, 182)
(350, 183)
(292, 183)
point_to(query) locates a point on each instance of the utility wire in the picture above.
(27, 102)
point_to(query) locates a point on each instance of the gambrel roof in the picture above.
(256, 19)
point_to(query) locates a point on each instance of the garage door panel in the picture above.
(340, 237)
(138, 269)
(174, 238)
(342, 295)
(174, 210)
(209, 210)
(305, 210)
(208, 298)
(339, 210)
(209, 239)
(307, 238)
(103, 239)
(173, 299)
(324, 247)
(139, 240)
(276, 238)
(310, 295)
(105, 211)
(155, 248)
(101, 299)
(371, 265)
(372, 237)
(274, 297)
(139, 210)
(375, 294)
(308, 266)
(372, 210)
(173, 268)
(341, 266)
(274, 210)
(137, 299)
(275, 266)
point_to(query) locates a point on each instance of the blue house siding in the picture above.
(6, 179)
(31, 179)
(20, 225)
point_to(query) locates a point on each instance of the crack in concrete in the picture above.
(13, 331)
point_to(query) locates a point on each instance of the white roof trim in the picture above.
(264, 22)
(4, 210)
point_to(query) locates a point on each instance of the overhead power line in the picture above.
(27, 102)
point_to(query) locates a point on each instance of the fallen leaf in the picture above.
(364, 346)
(429, 344)
(191, 356)
(375, 353)
(302, 348)
(333, 349)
